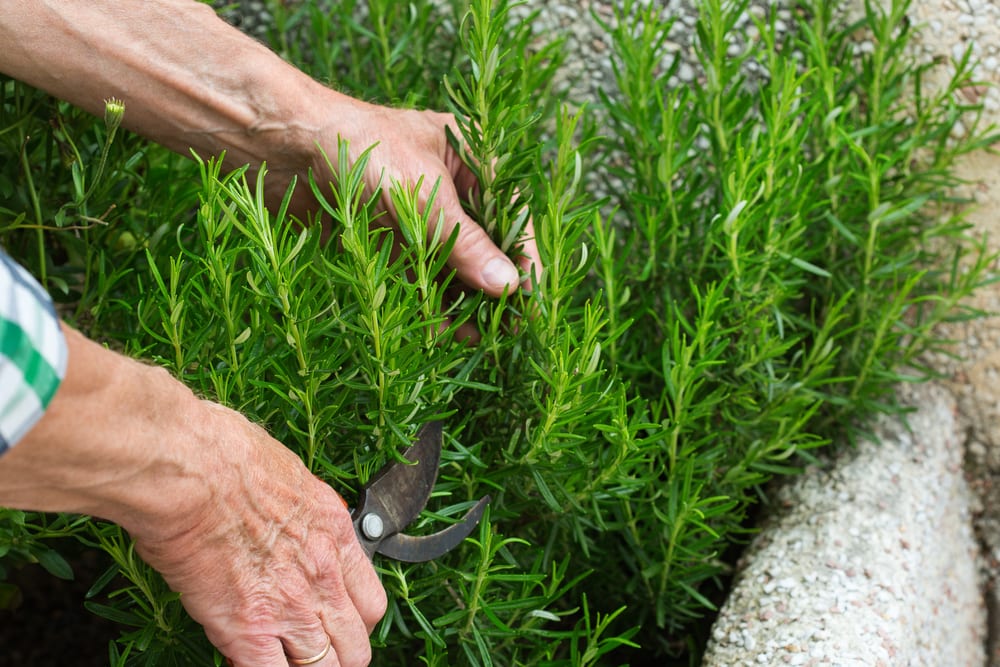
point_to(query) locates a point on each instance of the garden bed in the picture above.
(49, 624)
(768, 261)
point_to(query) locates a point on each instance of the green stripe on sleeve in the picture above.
(18, 348)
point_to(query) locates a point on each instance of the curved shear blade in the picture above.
(403, 489)
(398, 493)
(411, 549)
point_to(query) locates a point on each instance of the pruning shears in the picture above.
(397, 494)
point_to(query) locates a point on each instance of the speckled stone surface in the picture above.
(871, 562)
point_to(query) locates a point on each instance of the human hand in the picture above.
(411, 147)
(262, 553)
(271, 566)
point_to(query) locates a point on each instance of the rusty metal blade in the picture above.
(398, 493)
(418, 549)
(403, 489)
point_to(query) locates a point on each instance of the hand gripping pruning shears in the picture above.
(395, 497)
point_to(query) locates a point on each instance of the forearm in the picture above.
(188, 79)
(115, 430)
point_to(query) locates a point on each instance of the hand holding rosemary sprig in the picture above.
(193, 83)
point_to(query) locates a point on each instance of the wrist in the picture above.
(322, 117)
(164, 448)
(274, 117)
(119, 441)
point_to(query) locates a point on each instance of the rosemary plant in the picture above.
(774, 264)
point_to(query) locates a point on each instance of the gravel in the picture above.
(588, 72)
(250, 16)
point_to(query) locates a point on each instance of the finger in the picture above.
(468, 333)
(348, 638)
(341, 595)
(528, 261)
(325, 657)
(338, 617)
(351, 582)
(317, 650)
(467, 185)
(367, 596)
(304, 639)
(478, 262)
(255, 652)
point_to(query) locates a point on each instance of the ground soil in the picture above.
(50, 626)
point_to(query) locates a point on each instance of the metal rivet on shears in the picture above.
(372, 526)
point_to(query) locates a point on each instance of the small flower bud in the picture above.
(114, 109)
(126, 242)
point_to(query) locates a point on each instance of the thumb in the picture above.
(479, 263)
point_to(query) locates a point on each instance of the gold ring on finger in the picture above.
(313, 660)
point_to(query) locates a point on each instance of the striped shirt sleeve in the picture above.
(33, 352)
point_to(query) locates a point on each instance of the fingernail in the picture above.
(499, 273)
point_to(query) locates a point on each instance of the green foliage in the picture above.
(496, 107)
(64, 184)
(785, 266)
(774, 263)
